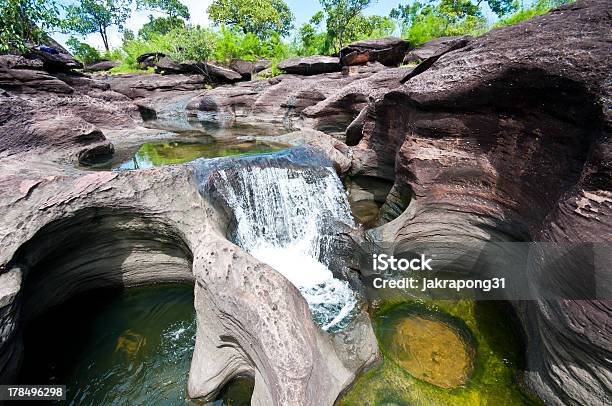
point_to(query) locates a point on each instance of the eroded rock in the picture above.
(506, 150)
(310, 65)
(388, 51)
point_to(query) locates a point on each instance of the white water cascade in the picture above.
(281, 214)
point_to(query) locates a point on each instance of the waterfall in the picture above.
(285, 218)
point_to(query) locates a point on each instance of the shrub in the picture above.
(525, 13)
(83, 51)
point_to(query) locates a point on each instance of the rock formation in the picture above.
(388, 51)
(310, 65)
(66, 231)
(504, 137)
(513, 148)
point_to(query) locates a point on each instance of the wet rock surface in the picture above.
(511, 149)
(491, 138)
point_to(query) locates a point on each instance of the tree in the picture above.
(255, 16)
(83, 51)
(25, 22)
(172, 8)
(91, 16)
(160, 26)
(340, 16)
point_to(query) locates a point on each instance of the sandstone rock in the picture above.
(19, 62)
(512, 148)
(102, 66)
(336, 113)
(244, 68)
(219, 74)
(168, 66)
(31, 81)
(146, 85)
(54, 59)
(310, 65)
(388, 51)
(149, 59)
(262, 64)
(431, 48)
(215, 74)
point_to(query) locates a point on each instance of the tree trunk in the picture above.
(104, 38)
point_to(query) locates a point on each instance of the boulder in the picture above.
(167, 66)
(53, 59)
(102, 66)
(310, 65)
(216, 74)
(20, 62)
(149, 59)
(388, 51)
(244, 68)
(26, 76)
(261, 65)
(433, 47)
(136, 86)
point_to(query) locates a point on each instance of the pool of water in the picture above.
(442, 353)
(178, 151)
(129, 347)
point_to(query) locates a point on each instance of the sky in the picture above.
(302, 10)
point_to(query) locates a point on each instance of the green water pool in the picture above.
(159, 153)
(129, 347)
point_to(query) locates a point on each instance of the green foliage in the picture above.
(172, 8)
(340, 18)
(190, 44)
(258, 17)
(423, 22)
(160, 25)
(132, 49)
(525, 13)
(25, 21)
(83, 51)
(344, 23)
(91, 16)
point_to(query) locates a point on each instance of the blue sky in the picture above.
(302, 10)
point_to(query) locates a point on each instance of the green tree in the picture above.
(91, 16)
(340, 17)
(260, 17)
(175, 11)
(424, 21)
(83, 51)
(311, 39)
(160, 25)
(191, 44)
(25, 22)
(172, 8)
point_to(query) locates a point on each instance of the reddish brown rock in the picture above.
(310, 65)
(507, 139)
(388, 51)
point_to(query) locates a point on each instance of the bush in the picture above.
(83, 51)
(190, 44)
(525, 13)
(26, 22)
